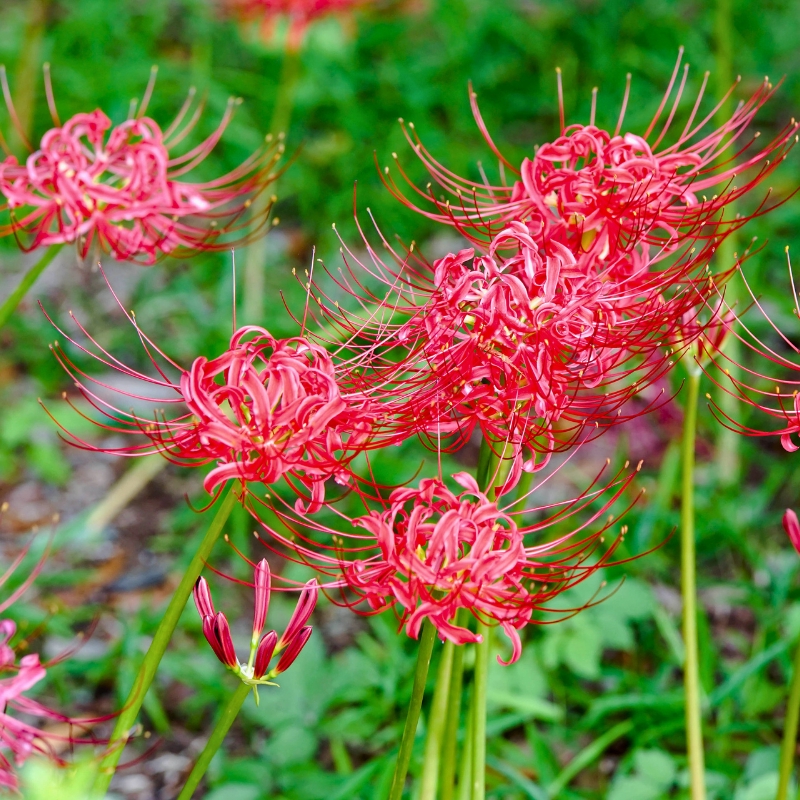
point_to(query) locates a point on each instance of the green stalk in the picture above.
(256, 253)
(728, 464)
(158, 646)
(450, 744)
(437, 723)
(493, 468)
(426, 641)
(15, 298)
(465, 767)
(27, 77)
(691, 668)
(221, 729)
(789, 745)
(479, 713)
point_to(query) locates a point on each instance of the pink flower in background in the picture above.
(20, 737)
(264, 410)
(124, 187)
(300, 14)
(429, 551)
(264, 647)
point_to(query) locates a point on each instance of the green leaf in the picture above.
(656, 765)
(531, 707)
(634, 788)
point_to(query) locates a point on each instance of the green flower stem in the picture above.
(158, 646)
(15, 298)
(493, 469)
(691, 667)
(789, 745)
(450, 744)
(728, 462)
(229, 714)
(427, 638)
(27, 78)
(479, 713)
(437, 724)
(465, 767)
(256, 253)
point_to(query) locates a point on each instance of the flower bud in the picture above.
(262, 586)
(266, 648)
(305, 605)
(792, 528)
(222, 633)
(202, 598)
(293, 649)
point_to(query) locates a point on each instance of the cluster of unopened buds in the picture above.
(264, 647)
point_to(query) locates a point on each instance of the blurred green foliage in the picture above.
(612, 671)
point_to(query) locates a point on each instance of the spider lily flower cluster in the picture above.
(606, 194)
(429, 551)
(124, 186)
(262, 411)
(264, 647)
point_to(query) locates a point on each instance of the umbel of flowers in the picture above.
(430, 551)
(124, 186)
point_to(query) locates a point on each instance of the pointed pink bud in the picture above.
(202, 598)
(262, 597)
(266, 648)
(293, 650)
(305, 605)
(222, 631)
(211, 638)
(792, 528)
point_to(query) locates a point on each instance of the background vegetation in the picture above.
(594, 708)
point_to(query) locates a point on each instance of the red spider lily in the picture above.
(123, 185)
(300, 13)
(263, 648)
(429, 551)
(265, 409)
(602, 193)
(533, 345)
(21, 738)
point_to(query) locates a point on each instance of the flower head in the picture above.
(266, 409)
(428, 551)
(605, 192)
(124, 187)
(533, 344)
(264, 647)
